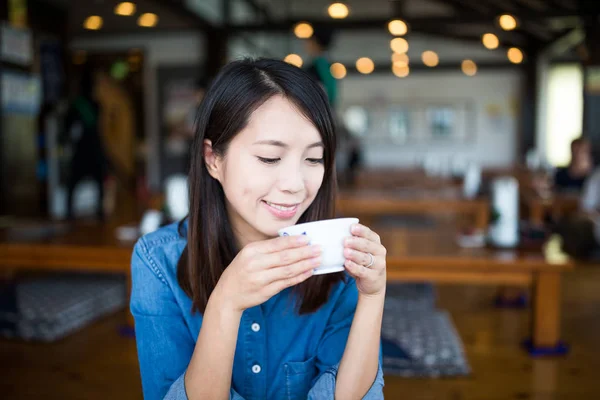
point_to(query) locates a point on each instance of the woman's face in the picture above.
(271, 172)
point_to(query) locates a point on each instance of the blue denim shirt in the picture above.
(279, 354)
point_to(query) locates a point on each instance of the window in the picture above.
(440, 120)
(398, 124)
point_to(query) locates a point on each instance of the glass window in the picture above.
(441, 121)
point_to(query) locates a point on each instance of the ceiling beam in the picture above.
(374, 23)
(465, 6)
(449, 33)
(386, 67)
(179, 8)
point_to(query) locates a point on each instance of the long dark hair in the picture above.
(235, 93)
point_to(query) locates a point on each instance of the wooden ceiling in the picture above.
(541, 22)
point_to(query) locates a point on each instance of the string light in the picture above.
(338, 10)
(125, 8)
(338, 70)
(365, 65)
(303, 30)
(507, 22)
(293, 59)
(400, 59)
(430, 58)
(397, 27)
(515, 55)
(401, 72)
(469, 67)
(148, 20)
(93, 22)
(399, 45)
(490, 41)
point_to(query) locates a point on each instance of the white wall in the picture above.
(493, 140)
(177, 49)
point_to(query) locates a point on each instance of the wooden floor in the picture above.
(97, 363)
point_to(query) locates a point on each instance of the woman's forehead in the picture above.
(279, 119)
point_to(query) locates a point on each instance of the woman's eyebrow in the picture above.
(279, 143)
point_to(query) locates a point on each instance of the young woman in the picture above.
(224, 309)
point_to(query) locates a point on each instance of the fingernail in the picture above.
(316, 261)
(348, 252)
(316, 249)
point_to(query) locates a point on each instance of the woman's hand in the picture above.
(263, 269)
(370, 280)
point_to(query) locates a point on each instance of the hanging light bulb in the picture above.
(490, 41)
(293, 59)
(397, 27)
(148, 20)
(469, 67)
(338, 10)
(303, 30)
(515, 55)
(125, 8)
(338, 71)
(400, 59)
(507, 22)
(401, 72)
(93, 22)
(399, 45)
(365, 65)
(430, 58)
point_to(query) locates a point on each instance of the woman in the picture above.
(223, 308)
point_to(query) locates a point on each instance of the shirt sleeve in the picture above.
(164, 344)
(331, 349)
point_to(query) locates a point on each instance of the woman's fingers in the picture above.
(364, 245)
(289, 272)
(288, 257)
(358, 257)
(279, 244)
(356, 270)
(281, 284)
(364, 232)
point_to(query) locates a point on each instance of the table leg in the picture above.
(482, 218)
(545, 326)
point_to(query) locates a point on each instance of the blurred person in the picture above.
(317, 47)
(572, 177)
(82, 131)
(225, 309)
(581, 232)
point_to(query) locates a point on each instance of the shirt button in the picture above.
(255, 327)
(256, 368)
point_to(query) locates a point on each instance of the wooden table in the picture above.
(368, 204)
(431, 255)
(90, 247)
(424, 255)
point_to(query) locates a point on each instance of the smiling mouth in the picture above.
(282, 207)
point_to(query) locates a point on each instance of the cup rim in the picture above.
(330, 220)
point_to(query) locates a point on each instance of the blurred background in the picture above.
(469, 136)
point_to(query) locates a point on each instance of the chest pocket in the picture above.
(298, 378)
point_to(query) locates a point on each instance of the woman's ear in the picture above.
(212, 160)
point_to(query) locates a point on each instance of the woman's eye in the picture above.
(315, 160)
(268, 160)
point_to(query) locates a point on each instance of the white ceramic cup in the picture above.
(329, 234)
